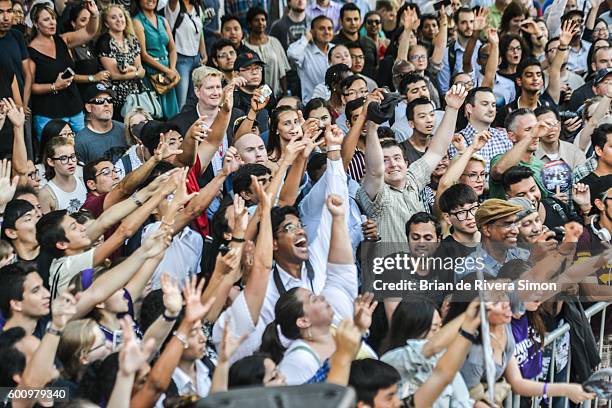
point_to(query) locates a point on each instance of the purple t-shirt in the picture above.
(528, 353)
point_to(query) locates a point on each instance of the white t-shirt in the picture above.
(64, 269)
(187, 38)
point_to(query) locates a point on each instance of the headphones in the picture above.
(603, 234)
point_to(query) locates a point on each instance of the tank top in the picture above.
(66, 102)
(71, 201)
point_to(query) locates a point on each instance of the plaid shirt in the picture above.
(391, 208)
(239, 8)
(498, 144)
(584, 169)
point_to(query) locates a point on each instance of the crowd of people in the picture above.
(191, 193)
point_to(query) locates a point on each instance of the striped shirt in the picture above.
(356, 167)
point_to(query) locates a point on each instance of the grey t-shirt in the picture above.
(91, 145)
(473, 371)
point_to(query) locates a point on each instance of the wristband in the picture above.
(239, 240)
(252, 120)
(335, 148)
(53, 331)
(170, 318)
(544, 394)
(182, 339)
(136, 200)
(563, 48)
(473, 338)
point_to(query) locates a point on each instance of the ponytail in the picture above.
(272, 344)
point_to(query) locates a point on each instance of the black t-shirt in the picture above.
(454, 249)
(591, 179)
(287, 31)
(410, 152)
(544, 100)
(557, 212)
(6, 133)
(369, 52)
(14, 51)
(242, 102)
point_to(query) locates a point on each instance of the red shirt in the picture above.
(94, 203)
(201, 221)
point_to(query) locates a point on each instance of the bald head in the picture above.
(251, 149)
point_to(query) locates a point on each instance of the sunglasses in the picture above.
(101, 101)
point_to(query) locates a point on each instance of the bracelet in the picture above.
(335, 148)
(170, 318)
(563, 48)
(166, 222)
(136, 200)
(544, 394)
(181, 338)
(473, 338)
(240, 240)
(252, 120)
(53, 89)
(53, 331)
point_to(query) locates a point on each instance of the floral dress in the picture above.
(109, 48)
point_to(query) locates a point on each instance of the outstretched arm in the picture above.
(373, 179)
(491, 66)
(569, 29)
(480, 23)
(442, 138)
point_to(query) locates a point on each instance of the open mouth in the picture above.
(301, 243)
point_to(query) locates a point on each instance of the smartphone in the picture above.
(266, 92)
(68, 73)
(565, 115)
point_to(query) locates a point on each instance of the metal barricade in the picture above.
(513, 401)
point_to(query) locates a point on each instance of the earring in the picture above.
(308, 334)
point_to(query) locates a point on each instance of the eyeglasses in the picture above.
(225, 55)
(600, 30)
(517, 48)
(289, 228)
(253, 69)
(462, 215)
(107, 171)
(417, 57)
(373, 22)
(33, 175)
(476, 176)
(70, 134)
(357, 57)
(356, 92)
(65, 159)
(101, 101)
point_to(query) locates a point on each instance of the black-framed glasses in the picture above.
(65, 159)
(101, 101)
(462, 215)
(107, 171)
(476, 176)
(33, 175)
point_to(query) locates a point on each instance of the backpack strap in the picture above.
(452, 57)
(179, 18)
(308, 350)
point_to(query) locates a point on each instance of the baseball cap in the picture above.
(96, 89)
(601, 75)
(245, 59)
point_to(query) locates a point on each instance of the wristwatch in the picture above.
(53, 331)
(90, 78)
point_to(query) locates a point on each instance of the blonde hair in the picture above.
(201, 73)
(76, 341)
(130, 139)
(475, 157)
(128, 31)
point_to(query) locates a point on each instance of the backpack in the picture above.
(182, 13)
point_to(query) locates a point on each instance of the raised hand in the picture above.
(348, 338)
(458, 142)
(181, 196)
(62, 309)
(14, 113)
(571, 125)
(293, 149)
(164, 150)
(231, 161)
(7, 185)
(133, 354)
(364, 309)
(229, 262)
(581, 194)
(256, 105)
(264, 198)
(229, 343)
(199, 130)
(541, 129)
(157, 243)
(493, 36)
(3, 112)
(91, 6)
(333, 136)
(481, 140)
(159, 180)
(173, 301)
(456, 96)
(480, 19)
(335, 205)
(192, 294)
(410, 20)
(569, 29)
(241, 215)
(530, 27)
(227, 100)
